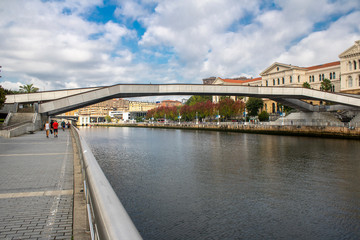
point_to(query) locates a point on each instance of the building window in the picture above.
(313, 78)
(330, 76)
(277, 68)
(354, 65)
(298, 78)
(333, 88)
(319, 77)
(267, 83)
(350, 82)
(309, 78)
(273, 82)
(290, 79)
(323, 76)
(273, 108)
(334, 75)
(283, 80)
(350, 68)
(278, 81)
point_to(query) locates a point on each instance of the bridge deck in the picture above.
(60, 103)
(36, 186)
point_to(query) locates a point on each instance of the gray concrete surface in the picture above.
(137, 90)
(36, 186)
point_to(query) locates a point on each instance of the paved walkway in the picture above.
(36, 186)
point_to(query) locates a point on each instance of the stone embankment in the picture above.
(290, 130)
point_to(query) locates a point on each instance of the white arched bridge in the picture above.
(57, 102)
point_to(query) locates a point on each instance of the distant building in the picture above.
(209, 80)
(101, 109)
(169, 103)
(141, 106)
(350, 69)
(119, 115)
(235, 81)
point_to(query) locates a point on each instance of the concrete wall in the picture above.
(296, 130)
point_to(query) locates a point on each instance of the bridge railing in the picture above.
(295, 123)
(107, 217)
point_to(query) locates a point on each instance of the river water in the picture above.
(185, 184)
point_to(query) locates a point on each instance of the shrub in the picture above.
(263, 116)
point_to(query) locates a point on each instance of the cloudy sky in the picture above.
(57, 44)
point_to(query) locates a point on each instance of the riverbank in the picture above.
(289, 130)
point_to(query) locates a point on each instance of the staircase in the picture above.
(20, 123)
(355, 121)
(309, 119)
(17, 118)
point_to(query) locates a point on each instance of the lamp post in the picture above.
(197, 120)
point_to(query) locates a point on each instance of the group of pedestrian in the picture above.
(53, 127)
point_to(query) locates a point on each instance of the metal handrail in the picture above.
(109, 218)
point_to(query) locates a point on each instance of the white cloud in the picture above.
(10, 85)
(58, 49)
(198, 32)
(324, 46)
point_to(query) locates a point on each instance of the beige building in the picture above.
(232, 81)
(101, 109)
(169, 103)
(279, 74)
(350, 69)
(141, 106)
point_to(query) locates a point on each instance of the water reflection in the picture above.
(179, 184)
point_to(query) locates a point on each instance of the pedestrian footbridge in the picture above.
(57, 102)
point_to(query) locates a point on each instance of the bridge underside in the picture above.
(292, 97)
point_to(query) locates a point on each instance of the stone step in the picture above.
(20, 117)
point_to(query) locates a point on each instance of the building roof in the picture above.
(240, 81)
(325, 65)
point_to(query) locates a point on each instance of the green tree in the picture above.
(229, 108)
(253, 105)
(285, 108)
(306, 85)
(197, 98)
(2, 96)
(326, 85)
(263, 116)
(28, 88)
(107, 118)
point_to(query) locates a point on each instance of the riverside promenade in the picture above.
(36, 186)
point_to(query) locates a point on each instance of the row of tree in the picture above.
(201, 107)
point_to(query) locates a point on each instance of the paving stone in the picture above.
(33, 163)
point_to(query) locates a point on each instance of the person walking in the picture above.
(63, 125)
(55, 126)
(51, 126)
(47, 128)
